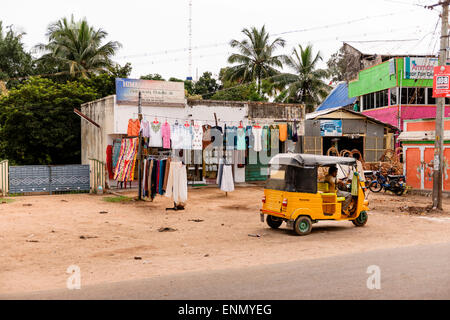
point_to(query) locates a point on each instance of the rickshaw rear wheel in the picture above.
(273, 222)
(361, 220)
(303, 225)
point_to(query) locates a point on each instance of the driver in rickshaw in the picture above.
(334, 184)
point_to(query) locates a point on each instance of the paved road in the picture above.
(419, 272)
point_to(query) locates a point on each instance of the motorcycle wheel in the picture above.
(399, 192)
(375, 186)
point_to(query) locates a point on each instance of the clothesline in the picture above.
(265, 121)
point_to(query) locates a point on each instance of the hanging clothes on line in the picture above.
(177, 136)
(109, 161)
(166, 134)
(283, 132)
(177, 183)
(295, 131)
(134, 126)
(257, 136)
(116, 153)
(127, 159)
(156, 134)
(225, 179)
(197, 136)
(145, 129)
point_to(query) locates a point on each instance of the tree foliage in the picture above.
(77, 48)
(38, 125)
(206, 86)
(307, 85)
(105, 84)
(255, 59)
(153, 76)
(343, 66)
(15, 62)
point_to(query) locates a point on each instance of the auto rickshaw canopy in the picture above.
(309, 160)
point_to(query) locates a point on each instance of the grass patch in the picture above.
(117, 199)
(6, 200)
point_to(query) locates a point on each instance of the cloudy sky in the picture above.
(154, 34)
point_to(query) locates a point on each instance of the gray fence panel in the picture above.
(29, 179)
(70, 177)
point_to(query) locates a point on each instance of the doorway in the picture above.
(343, 143)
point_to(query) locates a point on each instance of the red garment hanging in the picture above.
(109, 152)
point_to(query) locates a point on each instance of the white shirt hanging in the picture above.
(197, 136)
(257, 134)
(155, 135)
(177, 137)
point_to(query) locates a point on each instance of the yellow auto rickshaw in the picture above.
(294, 195)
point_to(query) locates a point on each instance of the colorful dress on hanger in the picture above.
(283, 132)
(127, 159)
(155, 135)
(134, 126)
(240, 144)
(166, 135)
(230, 137)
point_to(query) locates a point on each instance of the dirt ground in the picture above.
(41, 236)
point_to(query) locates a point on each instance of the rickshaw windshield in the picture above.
(292, 179)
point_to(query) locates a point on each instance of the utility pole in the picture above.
(140, 147)
(440, 108)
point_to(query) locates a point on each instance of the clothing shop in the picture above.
(212, 142)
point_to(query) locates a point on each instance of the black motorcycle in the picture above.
(393, 183)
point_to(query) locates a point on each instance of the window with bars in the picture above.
(374, 148)
(312, 145)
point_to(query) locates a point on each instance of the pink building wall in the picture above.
(390, 114)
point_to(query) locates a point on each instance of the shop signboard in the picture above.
(153, 93)
(441, 82)
(420, 68)
(331, 128)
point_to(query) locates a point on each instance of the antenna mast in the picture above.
(189, 77)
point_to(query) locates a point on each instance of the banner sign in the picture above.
(153, 93)
(441, 82)
(331, 128)
(420, 68)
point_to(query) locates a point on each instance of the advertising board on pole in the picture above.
(441, 82)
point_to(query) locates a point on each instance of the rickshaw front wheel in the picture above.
(273, 222)
(361, 220)
(303, 225)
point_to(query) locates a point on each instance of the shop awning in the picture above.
(420, 136)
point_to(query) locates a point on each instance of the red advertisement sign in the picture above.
(441, 82)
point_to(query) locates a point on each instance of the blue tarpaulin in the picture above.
(337, 98)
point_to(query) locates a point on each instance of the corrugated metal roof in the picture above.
(337, 98)
(317, 114)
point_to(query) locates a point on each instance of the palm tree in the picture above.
(76, 47)
(255, 59)
(307, 85)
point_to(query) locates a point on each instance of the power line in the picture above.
(162, 52)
